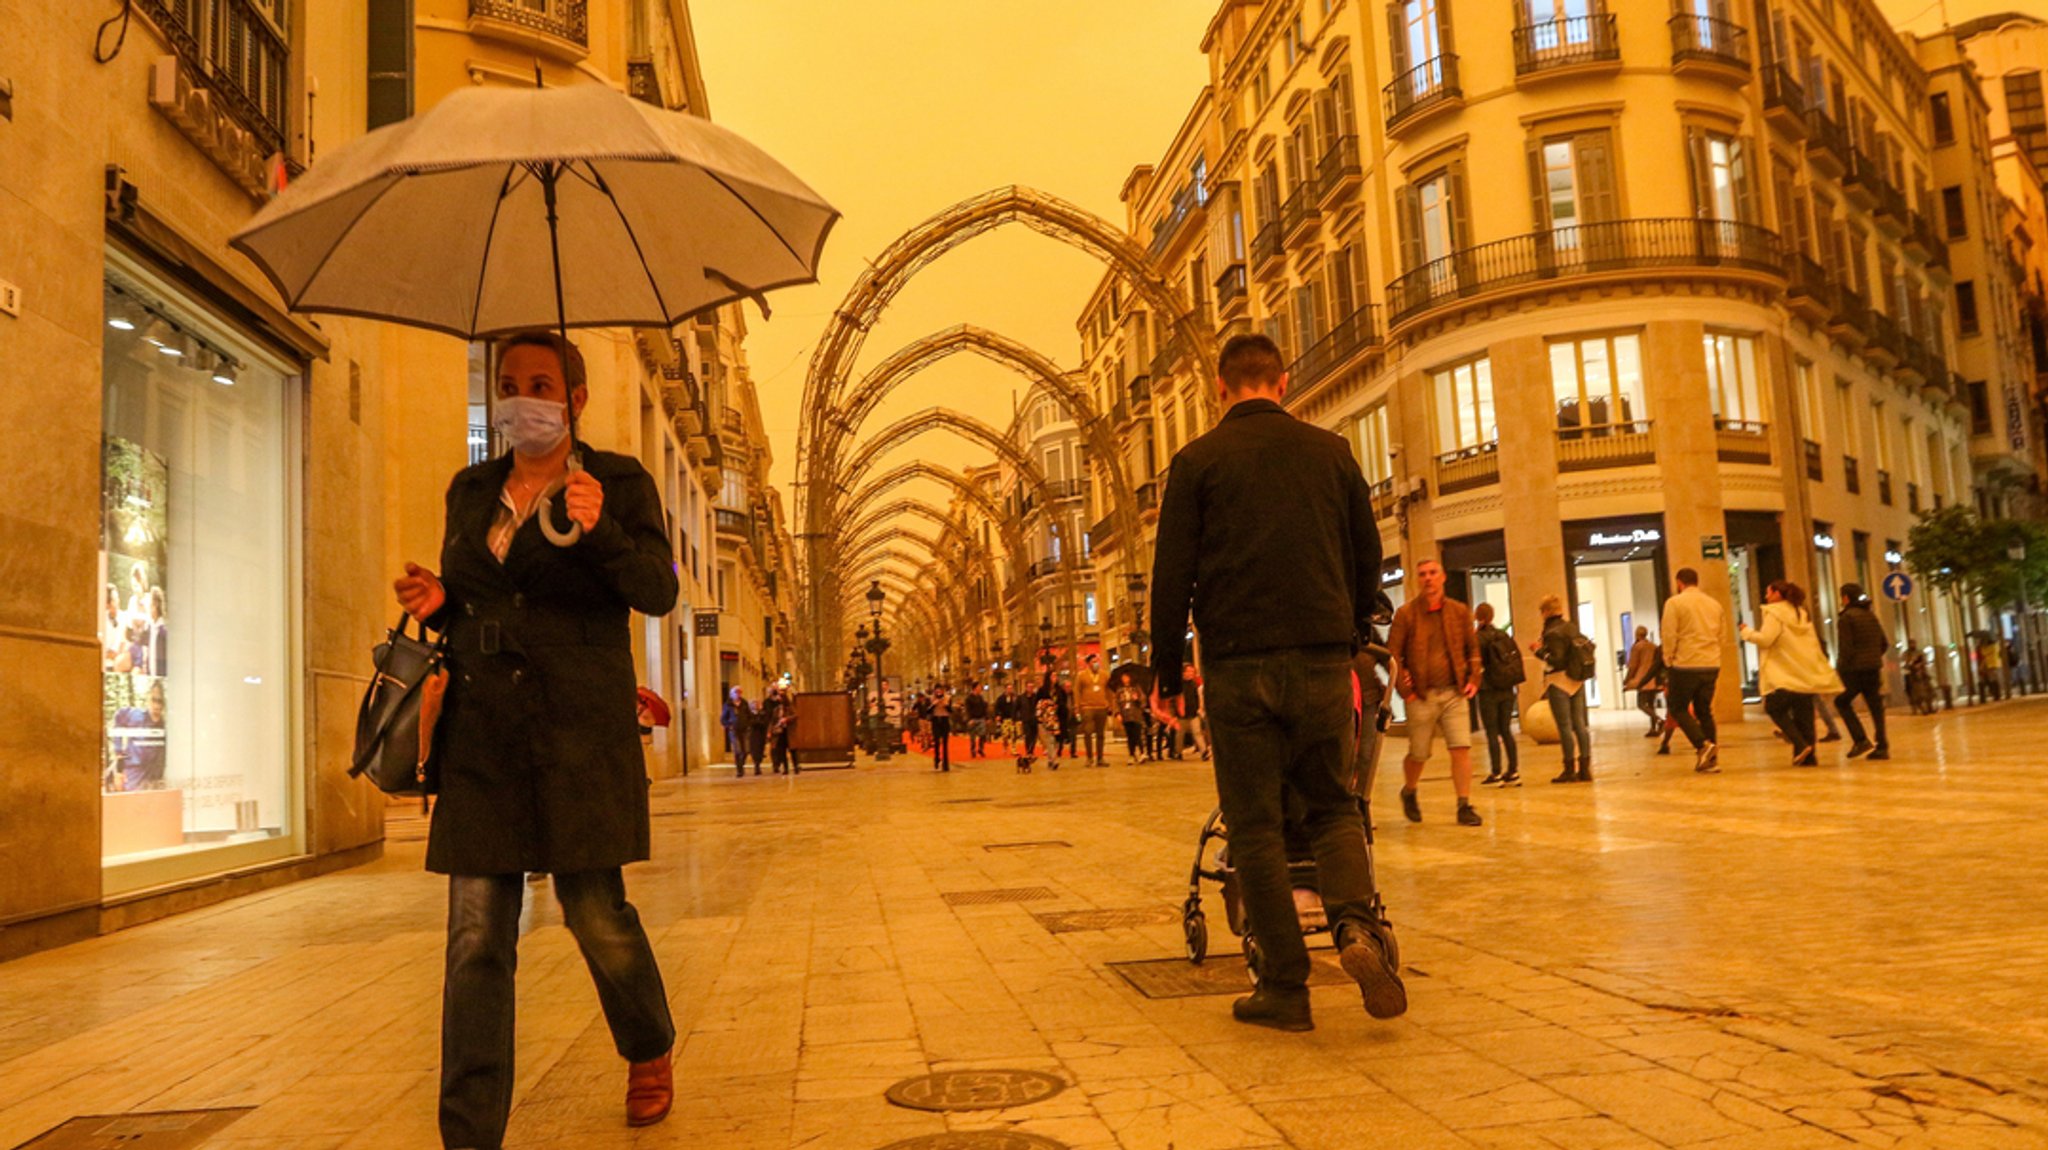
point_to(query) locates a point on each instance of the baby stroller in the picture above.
(1212, 848)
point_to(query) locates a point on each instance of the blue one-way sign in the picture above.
(1898, 586)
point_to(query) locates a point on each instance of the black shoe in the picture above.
(1877, 755)
(1830, 737)
(1859, 749)
(1567, 776)
(1708, 758)
(1585, 774)
(1467, 817)
(1280, 1010)
(1512, 779)
(1492, 779)
(1411, 806)
(1652, 733)
(1806, 758)
(1365, 959)
(1664, 748)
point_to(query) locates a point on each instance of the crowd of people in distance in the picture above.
(759, 731)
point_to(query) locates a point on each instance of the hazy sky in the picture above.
(894, 109)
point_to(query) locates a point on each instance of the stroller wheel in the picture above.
(1254, 961)
(1195, 928)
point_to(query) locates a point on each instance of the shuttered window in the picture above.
(1464, 405)
(1723, 182)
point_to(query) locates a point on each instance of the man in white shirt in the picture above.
(1694, 624)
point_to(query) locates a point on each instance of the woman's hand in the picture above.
(420, 592)
(584, 499)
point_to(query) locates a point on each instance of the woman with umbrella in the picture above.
(538, 746)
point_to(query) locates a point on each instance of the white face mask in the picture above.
(532, 426)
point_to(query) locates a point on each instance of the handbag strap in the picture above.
(364, 753)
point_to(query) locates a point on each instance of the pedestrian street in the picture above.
(1772, 958)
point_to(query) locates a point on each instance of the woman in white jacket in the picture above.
(1795, 670)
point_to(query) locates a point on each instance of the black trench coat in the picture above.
(538, 745)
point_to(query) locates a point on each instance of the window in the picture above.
(1845, 405)
(1464, 406)
(388, 95)
(732, 490)
(1572, 178)
(1421, 32)
(1731, 378)
(2029, 119)
(1944, 120)
(1966, 307)
(1883, 443)
(1721, 176)
(1980, 408)
(1952, 213)
(1262, 86)
(1808, 385)
(1375, 458)
(1297, 41)
(1597, 382)
(1432, 220)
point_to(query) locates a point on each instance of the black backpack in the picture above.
(1579, 657)
(1504, 669)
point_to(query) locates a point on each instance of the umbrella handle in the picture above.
(570, 537)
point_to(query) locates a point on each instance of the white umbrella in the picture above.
(502, 209)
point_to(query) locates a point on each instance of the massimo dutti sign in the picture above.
(199, 114)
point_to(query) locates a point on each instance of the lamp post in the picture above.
(2017, 552)
(878, 644)
(1135, 585)
(1046, 658)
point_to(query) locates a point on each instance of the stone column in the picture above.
(1533, 530)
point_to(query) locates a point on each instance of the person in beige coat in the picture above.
(1794, 669)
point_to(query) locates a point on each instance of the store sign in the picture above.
(707, 624)
(1617, 539)
(206, 121)
(2015, 420)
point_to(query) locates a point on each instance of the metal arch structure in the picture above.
(975, 554)
(888, 481)
(840, 346)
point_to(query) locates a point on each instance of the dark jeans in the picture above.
(1281, 720)
(1569, 709)
(1134, 737)
(477, 996)
(778, 752)
(942, 743)
(1094, 733)
(1869, 685)
(1690, 698)
(1793, 712)
(1496, 718)
(1646, 702)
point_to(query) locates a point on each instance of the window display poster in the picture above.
(134, 628)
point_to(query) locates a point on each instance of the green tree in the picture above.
(1959, 551)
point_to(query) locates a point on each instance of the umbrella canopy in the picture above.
(1136, 674)
(501, 209)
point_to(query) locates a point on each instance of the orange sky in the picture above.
(893, 109)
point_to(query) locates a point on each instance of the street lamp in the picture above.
(2017, 552)
(1046, 658)
(1139, 637)
(878, 644)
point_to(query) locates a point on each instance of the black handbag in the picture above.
(394, 725)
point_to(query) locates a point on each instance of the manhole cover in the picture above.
(976, 1090)
(1221, 974)
(989, 897)
(1068, 921)
(160, 1130)
(1026, 845)
(978, 1140)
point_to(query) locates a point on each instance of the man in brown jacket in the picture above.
(1437, 670)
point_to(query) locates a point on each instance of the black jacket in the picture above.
(1863, 641)
(538, 746)
(1266, 531)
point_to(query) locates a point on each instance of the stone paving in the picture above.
(1771, 958)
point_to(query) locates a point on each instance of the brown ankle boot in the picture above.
(650, 1091)
(1585, 774)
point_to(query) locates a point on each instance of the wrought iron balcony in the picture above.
(734, 523)
(1851, 319)
(1063, 489)
(1887, 343)
(1808, 287)
(1827, 145)
(1430, 84)
(1742, 441)
(1301, 212)
(1605, 445)
(1354, 333)
(1706, 40)
(1140, 390)
(240, 49)
(560, 19)
(1102, 535)
(1567, 43)
(1045, 568)
(1230, 289)
(1467, 468)
(1186, 203)
(1589, 249)
(1148, 496)
(1170, 353)
(1784, 99)
(1339, 170)
(1266, 245)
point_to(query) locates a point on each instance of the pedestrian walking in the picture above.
(1130, 704)
(1500, 672)
(1919, 682)
(1860, 663)
(1189, 735)
(738, 719)
(1266, 532)
(778, 715)
(540, 768)
(1569, 661)
(1436, 670)
(1066, 731)
(975, 707)
(1646, 678)
(1008, 727)
(1991, 668)
(939, 713)
(1793, 669)
(1691, 629)
(1091, 697)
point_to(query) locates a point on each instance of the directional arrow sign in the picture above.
(1898, 586)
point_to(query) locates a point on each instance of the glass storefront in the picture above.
(1618, 582)
(197, 574)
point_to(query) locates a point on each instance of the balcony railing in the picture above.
(1783, 96)
(1607, 445)
(1742, 441)
(1102, 535)
(1852, 477)
(1339, 169)
(1706, 39)
(1813, 468)
(1808, 283)
(1426, 85)
(239, 47)
(1852, 315)
(1185, 202)
(1617, 245)
(562, 19)
(1066, 488)
(1884, 487)
(1827, 146)
(1566, 43)
(1148, 496)
(1266, 245)
(1467, 468)
(1044, 568)
(1382, 499)
(1299, 214)
(735, 523)
(1354, 333)
(1141, 395)
(1230, 288)
(1887, 342)
(1170, 353)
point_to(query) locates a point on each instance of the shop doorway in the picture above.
(1618, 582)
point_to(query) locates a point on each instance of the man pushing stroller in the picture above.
(1266, 532)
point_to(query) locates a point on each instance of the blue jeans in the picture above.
(1280, 726)
(1569, 709)
(477, 996)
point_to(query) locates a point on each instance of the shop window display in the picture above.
(195, 595)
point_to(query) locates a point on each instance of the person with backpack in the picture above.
(1501, 671)
(1860, 663)
(1646, 678)
(1568, 662)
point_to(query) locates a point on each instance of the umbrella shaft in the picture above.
(548, 174)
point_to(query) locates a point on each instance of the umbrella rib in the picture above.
(652, 284)
(747, 204)
(476, 306)
(296, 299)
